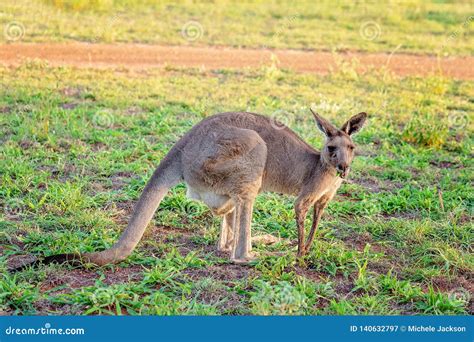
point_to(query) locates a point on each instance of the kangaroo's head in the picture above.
(338, 151)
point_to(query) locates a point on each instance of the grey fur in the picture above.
(227, 159)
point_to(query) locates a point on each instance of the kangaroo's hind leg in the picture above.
(241, 251)
(239, 166)
(230, 164)
(226, 238)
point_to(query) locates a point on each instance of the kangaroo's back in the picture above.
(270, 131)
(289, 158)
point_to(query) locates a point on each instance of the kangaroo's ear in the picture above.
(325, 126)
(354, 124)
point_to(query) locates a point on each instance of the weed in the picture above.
(279, 299)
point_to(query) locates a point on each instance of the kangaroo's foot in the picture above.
(225, 248)
(245, 259)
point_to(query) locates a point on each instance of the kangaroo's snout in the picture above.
(343, 170)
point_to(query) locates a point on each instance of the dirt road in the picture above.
(139, 56)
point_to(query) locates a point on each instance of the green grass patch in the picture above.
(78, 145)
(415, 26)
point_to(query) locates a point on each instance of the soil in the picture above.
(141, 56)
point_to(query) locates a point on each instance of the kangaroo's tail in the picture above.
(167, 174)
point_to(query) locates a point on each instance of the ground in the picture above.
(78, 142)
(141, 57)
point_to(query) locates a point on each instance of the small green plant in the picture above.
(273, 268)
(437, 303)
(362, 281)
(160, 303)
(403, 290)
(279, 299)
(169, 266)
(341, 307)
(102, 299)
(17, 295)
(426, 129)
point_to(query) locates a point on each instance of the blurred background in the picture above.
(438, 27)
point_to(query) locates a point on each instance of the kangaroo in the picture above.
(226, 160)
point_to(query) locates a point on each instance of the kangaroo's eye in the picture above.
(331, 149)
(351, 147)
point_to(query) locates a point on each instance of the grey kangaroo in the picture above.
(225, 161)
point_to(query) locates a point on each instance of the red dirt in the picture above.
(140, 56)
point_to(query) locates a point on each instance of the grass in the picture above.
(406, 26)
(78, 145)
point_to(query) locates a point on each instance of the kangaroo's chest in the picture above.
(332, 188)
